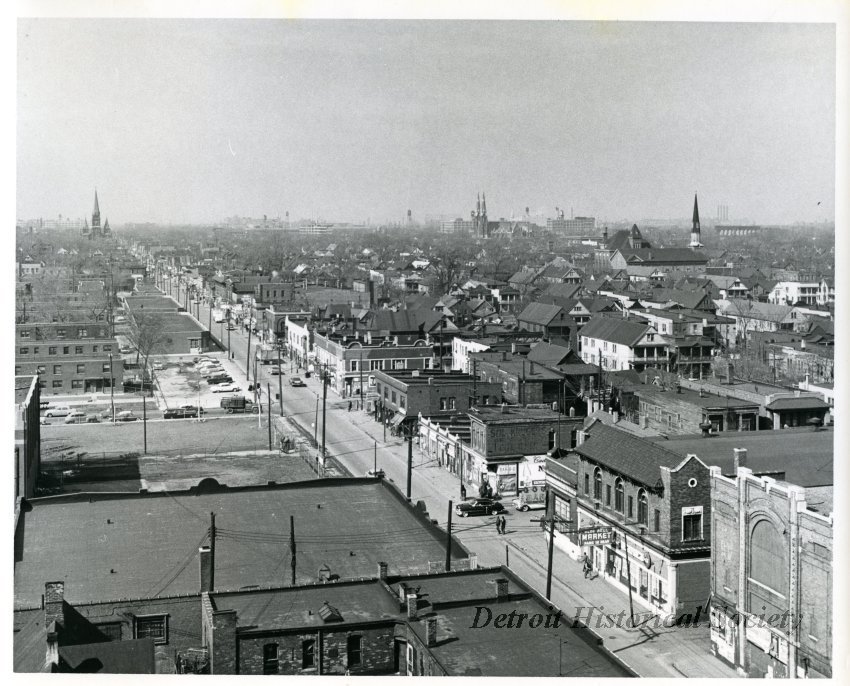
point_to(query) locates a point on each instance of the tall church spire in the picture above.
(95, 216)
(695, 232)
(484, 204)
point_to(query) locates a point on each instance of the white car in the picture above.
(226, 388)
(58, 411)
(76, 417)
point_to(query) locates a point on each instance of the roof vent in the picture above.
(329, 613)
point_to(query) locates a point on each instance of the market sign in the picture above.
(600, 535)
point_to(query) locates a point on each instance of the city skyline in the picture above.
(191, 121)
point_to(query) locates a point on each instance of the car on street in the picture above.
(76, 417)
(524, 505)
(379, 473)
(296, 381)
(92, 419)
(211, 371)
(479, 506)
(226, 388)
(126, 416)
(58, 411)
(219, 379)
(276, 371)
(182, 412)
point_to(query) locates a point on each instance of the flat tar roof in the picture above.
(112, 546)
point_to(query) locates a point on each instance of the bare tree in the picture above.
(147, 336)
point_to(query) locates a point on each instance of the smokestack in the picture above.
(740, 458)
(205, 568)
(54, 602)
(431, 632)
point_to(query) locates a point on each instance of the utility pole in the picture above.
(550, 512)
(279, 382)
(111, 388)
(449, 540)
(212, 551)
(229, 354)
(324, 407)
(360, 367)
(144, 415)
(629, 573)
(376, 458)
(292, 545)
(316, 423)
(268, 390)
(248, 360)
(474, 383)
(409, 462)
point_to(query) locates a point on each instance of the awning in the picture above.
(398, 419)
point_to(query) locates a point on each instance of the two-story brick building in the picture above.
(684, 411)
(657, 505)
(68, 357)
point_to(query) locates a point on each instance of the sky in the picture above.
(190, 120)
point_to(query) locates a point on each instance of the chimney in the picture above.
(502, 590)
(382, 570)
(412, 605)
(431, 632)
(54, 602)
(205, 563)
(740, 458)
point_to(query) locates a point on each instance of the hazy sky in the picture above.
(195, 120)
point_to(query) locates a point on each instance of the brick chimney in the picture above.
(54, 602)
(431, 632)
(740, 458)
(205, 570)
(502, 590)
(382, 570)
(412, 605)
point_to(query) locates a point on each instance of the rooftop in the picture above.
(653, 393)
(503, 414)
(130, 545)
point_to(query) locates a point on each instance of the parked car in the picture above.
(226, 388)
(158, 367)
(126, 416)
(76, 417)
(125, 350)
(92, 419)
(479, 506)
(379, 473)
(43, 404)
(58, 411)
(212, 371)
(523, 504)
(276, 371)
(296, 381)
(182, 412)
(221, 378)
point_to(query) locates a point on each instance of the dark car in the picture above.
(479, 506)
(221, 378)
(184, 412)
(296, 381)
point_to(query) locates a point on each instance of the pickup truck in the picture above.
(184, 412)
(238, 403)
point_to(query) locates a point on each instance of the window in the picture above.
(82, 333)
(551, 438)
(392, 398)
(270, 663)
(25, 333)
(105, 368)
(597, 483)
(51, 350)
(376, 365)
(81, 369)
(643, 508)
(656, 520)
(631, 511)
(112, 630)
(57, 368)
(308, 653)
(35, 350)
(78, 350)
(25, 351)
(608, 495)
(618, 495)
(76, 383)
(692, 523)
(152, 626)
(386, 393)
(41, 369)
(66, 350)
(17, 369)
(452, 403)
(587, 484)
(107, 348)
(399, 364)
(94, 348)
(353, 648)
(354, 365)
(60, 333)
(402, 402)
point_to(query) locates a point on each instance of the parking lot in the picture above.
(178, 382)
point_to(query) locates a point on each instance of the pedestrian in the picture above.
(498, 524)
(462, 492)
(504, 522)
(349, 406)
(588, 568)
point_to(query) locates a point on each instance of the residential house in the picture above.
(616, 344)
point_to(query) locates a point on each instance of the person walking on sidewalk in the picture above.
(588, 567)
(462, 492)
(349, 406)
(504, 522)
(498, 524)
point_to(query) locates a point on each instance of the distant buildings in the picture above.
(575, 226)
(96, 230)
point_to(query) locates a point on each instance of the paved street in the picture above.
(352, 437)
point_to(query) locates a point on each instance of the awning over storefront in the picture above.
(398, 419)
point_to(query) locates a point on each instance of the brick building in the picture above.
(405, 395)
(69, 358)
(523, 382)
(656, 503)
(772, 575)
(509, 444)
(683, 411)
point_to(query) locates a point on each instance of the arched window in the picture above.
(618, 495)
(643, 508)
(768, 569)
(597, 483)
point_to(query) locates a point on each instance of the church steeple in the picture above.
(695, 232)
(95, 215)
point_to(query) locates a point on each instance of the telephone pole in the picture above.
(409, 462)
(449, 540)
(324, 407)
(292, 545)
(268, 390)
(279, 381)
(111, 388)
(212, 551)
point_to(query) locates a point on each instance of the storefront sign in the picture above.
(506, 469)
(597, 536)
